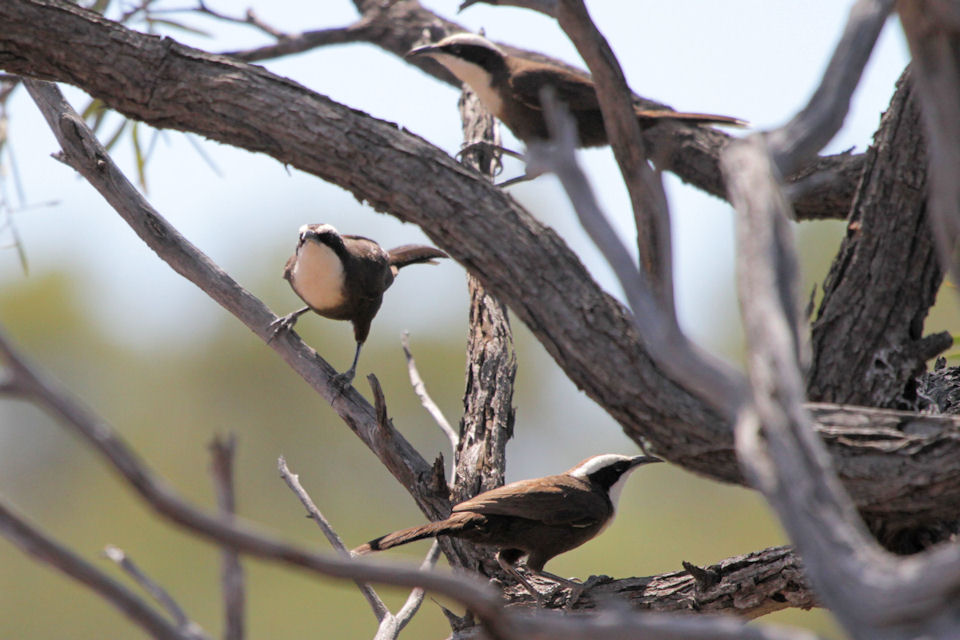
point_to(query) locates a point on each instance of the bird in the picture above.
(509, 88)
(343, 277)
(538, 518)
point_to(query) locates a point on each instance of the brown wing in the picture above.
(577, 92)
(559, 499)
(371, 281)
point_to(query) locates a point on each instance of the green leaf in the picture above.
(116, 135)
(138, 154)
(100, 6)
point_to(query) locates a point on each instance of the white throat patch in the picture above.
(474, 75)
(317, 276)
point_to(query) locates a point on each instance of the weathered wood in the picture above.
(867, 340)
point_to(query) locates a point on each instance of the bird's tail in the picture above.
(451, 526)
(693, 118)
(414, 254)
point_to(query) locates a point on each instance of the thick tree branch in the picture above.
(528, 266)
(872, 593)
(868, 347)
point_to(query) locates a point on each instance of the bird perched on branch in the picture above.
(343, 277)
(509, 88)
(538, 518)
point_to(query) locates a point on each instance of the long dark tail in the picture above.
(694, 118)
(451, 526)
(414, 254)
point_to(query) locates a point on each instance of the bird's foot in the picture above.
(284, 323)
(280, 325)
(342, 381)
(529, 175)
(483, 145)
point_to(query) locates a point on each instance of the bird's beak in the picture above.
(426, 49)
(639, 460)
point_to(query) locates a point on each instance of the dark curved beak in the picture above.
(419, 51)
(639, 460)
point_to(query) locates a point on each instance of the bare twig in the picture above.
(421, 390)
(393, 624)
(359, 31)
(293, 481)
(164, 599)
(222, 451)
(249, 18)
(32, 541)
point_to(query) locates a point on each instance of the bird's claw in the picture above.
(280, 325)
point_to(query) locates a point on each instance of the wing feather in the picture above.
(559, 499)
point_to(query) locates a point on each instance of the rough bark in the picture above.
(867, 340)
(748, 586)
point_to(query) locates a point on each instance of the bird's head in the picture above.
(471, 58)
(610, 471)
(321, 233)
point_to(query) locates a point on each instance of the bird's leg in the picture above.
(343, 380)
(527, 176)
(509, 568)
(483, 145)
(285, 323)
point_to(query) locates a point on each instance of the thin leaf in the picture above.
(138, 154)
(108, 145)
(21, 251)
(93, 105)
(100, 6)
(203, 155)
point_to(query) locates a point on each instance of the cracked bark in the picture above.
(867, 340)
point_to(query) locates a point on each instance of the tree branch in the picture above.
(933, 33)
(588, 333)
(815, 125)
(293, 481)
(189, 628)
(222, 450)
(868, 346)
(649, 202)
(86, 155)
(873, 594)
(32, 541)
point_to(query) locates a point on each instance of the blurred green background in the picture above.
(168, 369)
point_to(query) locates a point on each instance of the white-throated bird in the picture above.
(538, 518)
(343, 277)
(509, 87)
